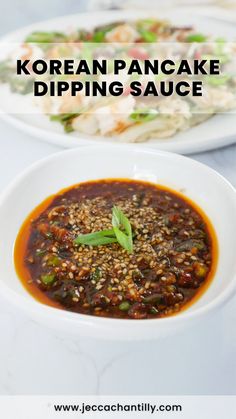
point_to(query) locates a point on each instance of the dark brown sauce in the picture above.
(166, 209)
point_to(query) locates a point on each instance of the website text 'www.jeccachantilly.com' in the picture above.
(117, 407)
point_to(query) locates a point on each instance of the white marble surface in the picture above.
(34, 360)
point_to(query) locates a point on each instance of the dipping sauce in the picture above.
(169, 264)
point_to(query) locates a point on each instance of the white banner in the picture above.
(166, 407)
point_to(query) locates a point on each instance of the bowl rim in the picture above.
(42, 310)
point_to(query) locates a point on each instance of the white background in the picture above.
(34, 360)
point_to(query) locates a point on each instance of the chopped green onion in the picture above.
(124, 306)
(101, 31)
(146, 24)
(146, 21)
(65, 119)
(120, 221)
(48, 279)
(62, 117)
(120, 233)
(148, 36)
(196, 37)
(68, 127)
(53, 261)
(217, 80)
(46, 37)
(97, 239)
(144, 115)
(99, 36)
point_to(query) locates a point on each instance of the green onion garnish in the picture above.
(120, 233)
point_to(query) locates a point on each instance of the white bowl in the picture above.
(198, 182)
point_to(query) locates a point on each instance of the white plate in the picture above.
(218, 131)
